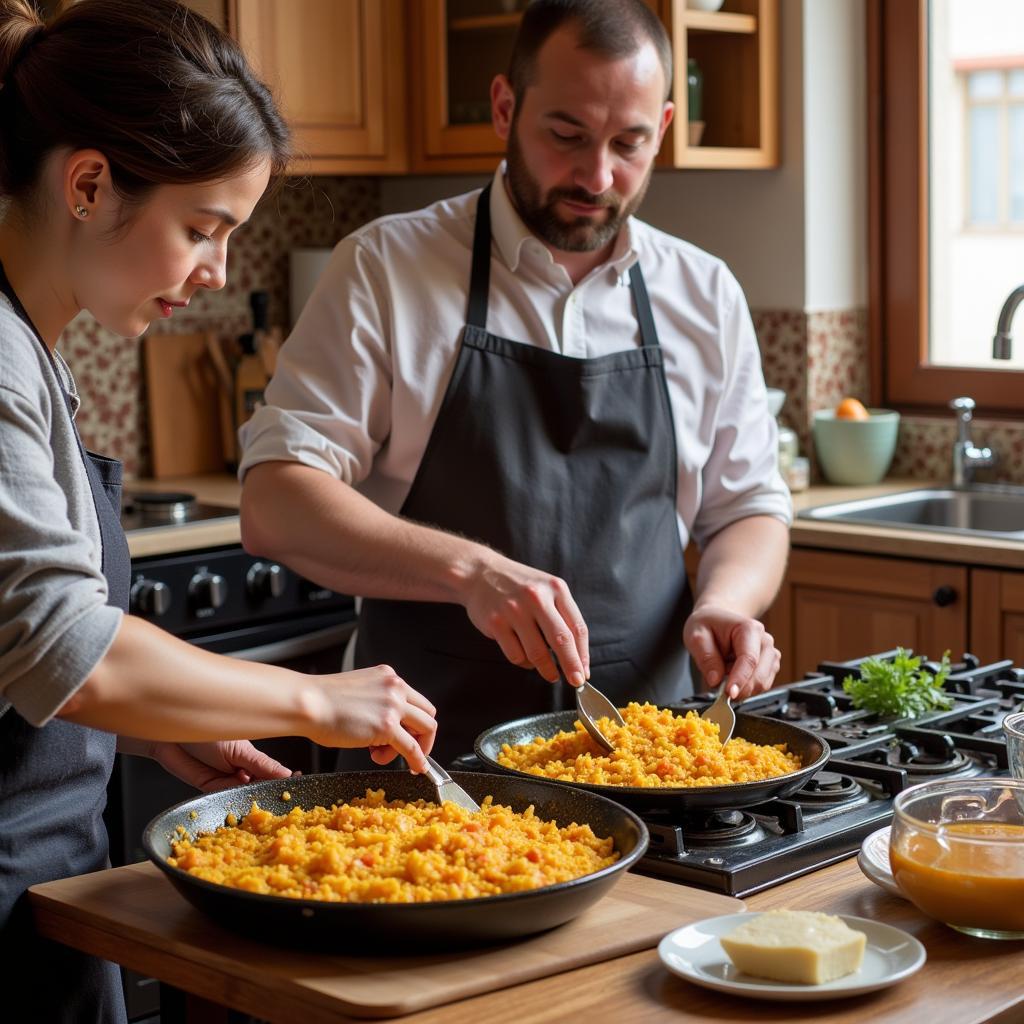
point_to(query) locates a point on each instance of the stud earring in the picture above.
(81, 211)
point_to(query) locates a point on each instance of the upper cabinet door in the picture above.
(457, 47)
(337, 68)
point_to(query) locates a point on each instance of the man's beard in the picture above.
(539, 213)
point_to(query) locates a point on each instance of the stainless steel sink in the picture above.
(986, 510)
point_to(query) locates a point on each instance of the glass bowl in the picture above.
(957, 853)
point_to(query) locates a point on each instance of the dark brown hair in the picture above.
(611, 28)
(166, 96)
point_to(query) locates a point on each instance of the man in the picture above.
(499, 419)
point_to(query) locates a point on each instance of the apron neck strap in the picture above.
(648, 332)
(480, 278)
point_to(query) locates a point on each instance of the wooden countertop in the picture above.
(965, 980)
(223, 489)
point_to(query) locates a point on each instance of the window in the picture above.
(946, 151)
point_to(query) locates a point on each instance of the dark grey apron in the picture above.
(53, 785)
(568, 465)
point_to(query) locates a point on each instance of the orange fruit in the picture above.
(851, 409)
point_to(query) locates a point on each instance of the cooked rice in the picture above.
(655, 749)
(372, 850)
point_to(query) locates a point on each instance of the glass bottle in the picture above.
(694, 90)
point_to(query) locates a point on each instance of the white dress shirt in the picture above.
(360, 380)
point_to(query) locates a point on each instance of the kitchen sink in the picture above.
(986, 510)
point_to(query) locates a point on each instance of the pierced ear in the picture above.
(86, 175)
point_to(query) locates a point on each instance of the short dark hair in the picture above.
(165, 95)
(611, 28)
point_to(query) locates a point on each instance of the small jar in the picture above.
(789, 448)
(798, 476)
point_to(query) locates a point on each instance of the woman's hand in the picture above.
(214, 766)
(529, 614)
(373, 707)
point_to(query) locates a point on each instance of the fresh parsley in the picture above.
(899, 688)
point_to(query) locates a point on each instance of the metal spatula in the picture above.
(592, 704)
(447, 789)
(720, 712)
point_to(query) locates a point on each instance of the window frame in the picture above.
(898, 297)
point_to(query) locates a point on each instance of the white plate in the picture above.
(873, 859)
(694, 953)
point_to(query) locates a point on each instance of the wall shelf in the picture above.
(719, 21)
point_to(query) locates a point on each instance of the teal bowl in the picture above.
(855, 451)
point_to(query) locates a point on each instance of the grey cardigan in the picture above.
(55, 623)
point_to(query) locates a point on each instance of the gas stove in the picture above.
(742, 851)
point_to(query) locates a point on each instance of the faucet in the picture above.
(1002, 343)
(966, 457)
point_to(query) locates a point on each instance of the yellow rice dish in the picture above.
(373, 850)
(655, 749)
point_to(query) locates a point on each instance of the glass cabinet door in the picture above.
(458, 47)
(479, 41)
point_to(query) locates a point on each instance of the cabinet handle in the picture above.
(944, 596)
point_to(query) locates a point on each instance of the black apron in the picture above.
(53, 785)
(567, 465)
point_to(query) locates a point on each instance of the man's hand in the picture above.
(725, 644)
(214, 766)
(530, 614)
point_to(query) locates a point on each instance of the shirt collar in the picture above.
(511, 234)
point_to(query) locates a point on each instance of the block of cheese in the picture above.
(795, 945)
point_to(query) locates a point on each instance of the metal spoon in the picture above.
(592, 704)
(720, 712)
(447, 789)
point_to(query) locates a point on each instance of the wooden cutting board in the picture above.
(183, 400)
(134, 916)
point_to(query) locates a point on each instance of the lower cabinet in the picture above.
(997, 615)
(836, 606)
(833, 606)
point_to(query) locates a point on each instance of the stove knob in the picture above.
(150, 597)
(207, 590)
(265, 580)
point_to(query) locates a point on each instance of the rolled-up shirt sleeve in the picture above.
(328, 404)
(741, 476)
(55, 623)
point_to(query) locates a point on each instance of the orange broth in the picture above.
(972, 884)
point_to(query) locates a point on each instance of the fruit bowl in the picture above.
(855, 451)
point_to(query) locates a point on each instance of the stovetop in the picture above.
(158, 510)
(739, 852)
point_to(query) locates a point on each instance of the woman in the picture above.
(133, 140)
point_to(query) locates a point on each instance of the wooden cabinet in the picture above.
(458, 46)
(997, 615)
(835, 606)
(736, 51)
(337, 69)
(389, 86)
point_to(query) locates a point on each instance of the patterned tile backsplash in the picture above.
(815, 357)
(819, 358)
